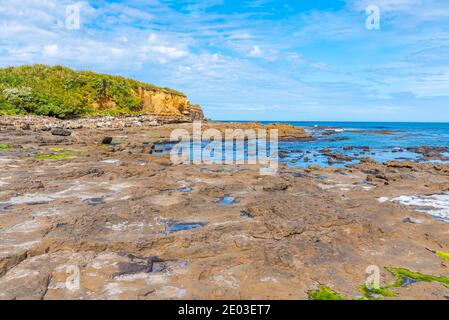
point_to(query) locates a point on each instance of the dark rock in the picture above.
(408, 220)
(430, 153)
(283, 154)
(61, 132)
(95, 172)
(340, 157)
(94, 201)
(246, 214)
(139, 265)
(106, 140)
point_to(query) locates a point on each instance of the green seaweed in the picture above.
(324, 293)
(55, 156)
(375, 293)
(443, 255)
(4, 147)
(401, 273)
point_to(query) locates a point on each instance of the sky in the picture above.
(311, 60)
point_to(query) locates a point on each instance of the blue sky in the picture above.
(256, 59)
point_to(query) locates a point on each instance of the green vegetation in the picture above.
(402, 278)
(64, 93)
(4, 147)
(401, 274)
(59, 155)
(324, 293)
(443, 255)
(375, 293)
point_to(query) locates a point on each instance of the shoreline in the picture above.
(218, 231)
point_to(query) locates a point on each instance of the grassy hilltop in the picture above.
(65, 93)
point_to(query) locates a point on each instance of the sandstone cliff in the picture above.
(158, 102)
(161, 102)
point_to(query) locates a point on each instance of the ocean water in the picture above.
(386, 141)
(381, 141)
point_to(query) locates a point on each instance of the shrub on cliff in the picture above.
(64, 93)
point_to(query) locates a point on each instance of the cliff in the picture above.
(65, 93)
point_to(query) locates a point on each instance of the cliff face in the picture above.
(157, 102)
(160, 102)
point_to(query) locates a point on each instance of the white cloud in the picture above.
(169, 52)
(51, 50)
(255, 52)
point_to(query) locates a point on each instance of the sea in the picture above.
(380, 141)
(385, 140)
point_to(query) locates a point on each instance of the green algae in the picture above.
(324, 293)
(401, 274)
(375, 293)
(443, 255)
(403, 277)
(55, 156)
(4, 147)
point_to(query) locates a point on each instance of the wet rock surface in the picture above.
(131, 225)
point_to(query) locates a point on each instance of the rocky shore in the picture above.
(129, 224)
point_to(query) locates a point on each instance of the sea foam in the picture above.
(436, 205)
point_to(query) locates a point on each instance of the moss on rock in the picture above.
(56, 156)
(324, 293)
(401, 274)
(443, 255)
